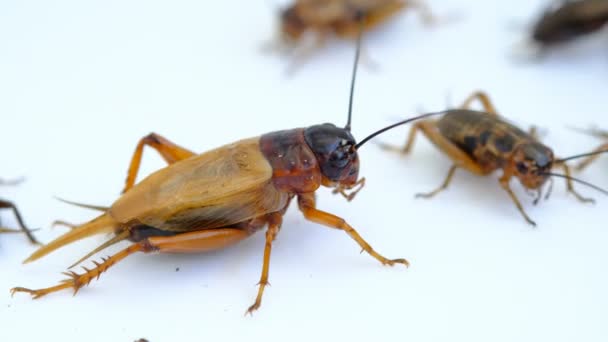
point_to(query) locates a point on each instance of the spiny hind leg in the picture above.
(77, 281)
(192, 242)
(504, 182)
(570, 186)
(274, 225)
(583, 164)
(307, 205)
(22, 226)
(170, 152)
(483, 98)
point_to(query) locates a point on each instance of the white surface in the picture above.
(81, 82)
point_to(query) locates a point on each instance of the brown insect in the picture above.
(320, 19)
(482, 142)
(22, 227)
(212, 200)
(602, 148)
(570, 20)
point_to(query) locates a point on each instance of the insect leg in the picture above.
(192, 242)
(170, 152)
(274, 225)
(570, 186)
(77, 281)
(306, 203)
(24, 229)
(483, 98)
(350, 196)
(504, 182)
(443, 186)
(409, 143)
(583, 164)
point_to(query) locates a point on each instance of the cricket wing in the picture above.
(222, 187)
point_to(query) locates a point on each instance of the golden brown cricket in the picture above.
(570, 20)
(602, 148)
(483, 142)
(22, 227)
(208, 201)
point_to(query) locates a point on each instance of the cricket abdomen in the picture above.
(487, 139)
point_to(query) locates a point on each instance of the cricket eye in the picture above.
(522, 168)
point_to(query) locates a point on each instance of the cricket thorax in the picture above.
(295, 167)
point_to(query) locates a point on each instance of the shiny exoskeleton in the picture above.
(203, 202)
(570, 20)
(482, 142)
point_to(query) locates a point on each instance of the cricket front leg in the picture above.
(274, 225)
(170, 152)
(307, 204)
(504, 182)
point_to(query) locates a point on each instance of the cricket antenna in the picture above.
(559, 161)
(403, 122)
(595, 187)
(360, 18)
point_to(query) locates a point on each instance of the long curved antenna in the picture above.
(605, 192)
(376, 133)
(82, 205)
(355, 65)
(562, 160)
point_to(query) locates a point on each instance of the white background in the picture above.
(81, 82)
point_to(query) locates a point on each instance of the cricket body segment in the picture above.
(340, 17)
(218, 198)
(570, 20)
(483, 142)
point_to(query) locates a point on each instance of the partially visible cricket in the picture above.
(320, 19)
(483, 142)
(602, 148)
(215, 199)
(22, 227)
(569, 20)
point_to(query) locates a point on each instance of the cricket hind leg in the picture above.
(23, 228)
(191, 242)
(583, 164)
(170, 152)
(483, 98)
